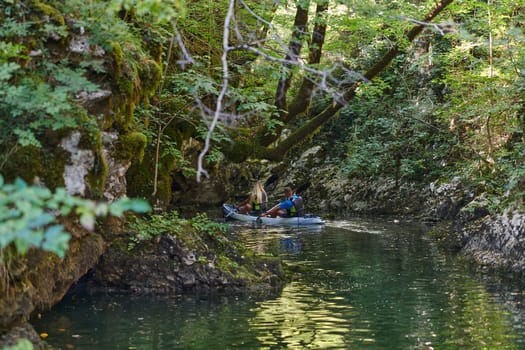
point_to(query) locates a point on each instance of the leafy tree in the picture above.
(245, 71)
(298, 76)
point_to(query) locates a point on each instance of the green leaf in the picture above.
(56, 240)
(139, 206)
(87, 220)
(116, 209)
(19, 184)
(6, 238)
(40, 221)
(7, 70)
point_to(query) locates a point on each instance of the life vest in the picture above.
(259, 198)
(297, 206)
(259, 204)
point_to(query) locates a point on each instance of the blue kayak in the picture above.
(230, 212)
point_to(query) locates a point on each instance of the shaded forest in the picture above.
(416, 90)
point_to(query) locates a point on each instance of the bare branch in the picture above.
(186, 57)
(441, 28)
(225, 78)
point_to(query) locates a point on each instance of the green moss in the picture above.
(116, 53)
(49, 11)
(54, 163)
(180, 130)
(163, 195)
(140, 179)
(135, 78)
(31, 162)
(25, 163)
(150, 76)
(131, 146)
(126, 85)
(97, 176)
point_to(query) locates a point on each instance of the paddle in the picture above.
(275, 206)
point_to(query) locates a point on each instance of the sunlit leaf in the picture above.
(87, 220)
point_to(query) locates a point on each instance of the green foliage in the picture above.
(226, 264)
(28, 215)
(143, 229)
(28, 101)
(146, 228)
(218, 137)
(131, 146)
(170, 149)
(202, 223)
(214, 230)
(160, 11)
(483, 103)
(454, 110)
(393, 131)
(32, 105)
(103, 29)
(11, 28)
(192, 83)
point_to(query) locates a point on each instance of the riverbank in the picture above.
(460, 218)
(159, 254)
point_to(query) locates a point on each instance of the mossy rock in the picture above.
(31, 163)
(131, 146)
(178, 257)
(140, 178)
(49, 11)
(150, 76)
(115, 50)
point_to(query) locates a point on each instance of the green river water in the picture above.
(367, 285)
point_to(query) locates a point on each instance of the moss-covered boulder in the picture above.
(174, 255)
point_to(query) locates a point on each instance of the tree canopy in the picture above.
(408, 88)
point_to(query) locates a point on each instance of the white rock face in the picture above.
(79, 44)
(81, 161)
(117, 168)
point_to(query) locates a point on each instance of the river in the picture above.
(364, 285)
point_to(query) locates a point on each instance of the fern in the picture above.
(11, 28)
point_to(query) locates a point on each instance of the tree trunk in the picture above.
(313, 124)
(292, 57)
(304, 96)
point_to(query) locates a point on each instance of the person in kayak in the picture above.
(256, 201)
(285, 208)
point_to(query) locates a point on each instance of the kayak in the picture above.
(230, 212)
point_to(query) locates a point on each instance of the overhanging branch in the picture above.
(313, 124)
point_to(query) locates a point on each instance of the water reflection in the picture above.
(300, 318)
(358, 285)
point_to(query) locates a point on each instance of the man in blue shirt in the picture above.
(284, 208)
